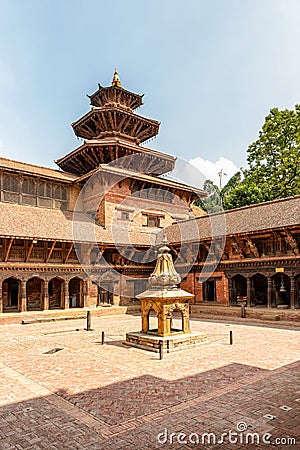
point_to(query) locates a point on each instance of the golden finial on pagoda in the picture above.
(116, 79)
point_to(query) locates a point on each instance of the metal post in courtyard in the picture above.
(168, 346)
(160, 349)
(230, 337)
(88, 321)
(102, 338)
(243, 311)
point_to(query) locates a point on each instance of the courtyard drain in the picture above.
(53, 350)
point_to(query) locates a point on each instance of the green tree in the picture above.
(274, 162)
(216, 197)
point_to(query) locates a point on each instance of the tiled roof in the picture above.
(30, 222)
(264, 216)
(115, 169)
(31, 169)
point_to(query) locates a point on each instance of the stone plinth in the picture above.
(169, 343)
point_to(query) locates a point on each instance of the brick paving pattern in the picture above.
(112, 397)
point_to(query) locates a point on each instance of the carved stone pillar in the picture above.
(250, 296)
(67, 295)
(269, 292)
(23, 299)
(1, 298)
(292, 293)
(45, 298)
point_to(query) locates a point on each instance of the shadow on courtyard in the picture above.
(42, 423)
(147, 394)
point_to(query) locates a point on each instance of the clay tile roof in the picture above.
(115, 169)
(29, 222)
(31, 169)
(264, 216)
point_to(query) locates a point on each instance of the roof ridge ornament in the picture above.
(116, 79)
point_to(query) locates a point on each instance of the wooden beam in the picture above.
(8, 249)
(137, 123)
(121, 123)
(29, 251)
(110, 116)
(50, 251)
(69, 252)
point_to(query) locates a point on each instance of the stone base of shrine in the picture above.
(170, 343)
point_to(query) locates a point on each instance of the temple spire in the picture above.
(116, 79)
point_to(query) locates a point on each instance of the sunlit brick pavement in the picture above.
(93, 396)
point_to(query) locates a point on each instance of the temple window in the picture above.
(28, 186)
(44, 190)
(10, 184)
(153, 221)
(124, 215)
(60, 193)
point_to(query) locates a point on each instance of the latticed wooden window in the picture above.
(28, 186)
(60, 193)
(44, 190)
(153, 221)
(10, 183)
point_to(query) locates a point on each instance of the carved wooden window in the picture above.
(124, 215)
(153, 221)
(60, 193)
(44, 190)
(10, 184)
(10, 189)
(28, 186)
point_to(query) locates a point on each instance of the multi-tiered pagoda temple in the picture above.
(112, 130)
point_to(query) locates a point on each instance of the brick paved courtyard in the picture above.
(112, 397)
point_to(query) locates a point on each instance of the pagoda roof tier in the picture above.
(114, 121)
(115, 96)
(92, 153)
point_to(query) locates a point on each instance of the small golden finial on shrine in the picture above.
(116, 79)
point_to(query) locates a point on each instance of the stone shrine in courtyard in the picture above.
(164, 297)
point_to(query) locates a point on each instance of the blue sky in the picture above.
(210, 71)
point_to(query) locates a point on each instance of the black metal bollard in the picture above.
(243, 311)
(168, 346)
(88, 321)
(102, 338)
(230, 337)
(160, 349)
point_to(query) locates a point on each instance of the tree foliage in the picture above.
(274, 162)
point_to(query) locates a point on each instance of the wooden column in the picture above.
(269, 292)
(85, 293)
(250, 292)
(66, 304)
(121, 288)
(1, 297)
(292, 293)
(23, 299)
(230, 292)
(45, 299)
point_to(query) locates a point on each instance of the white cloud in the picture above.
(211, 169)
